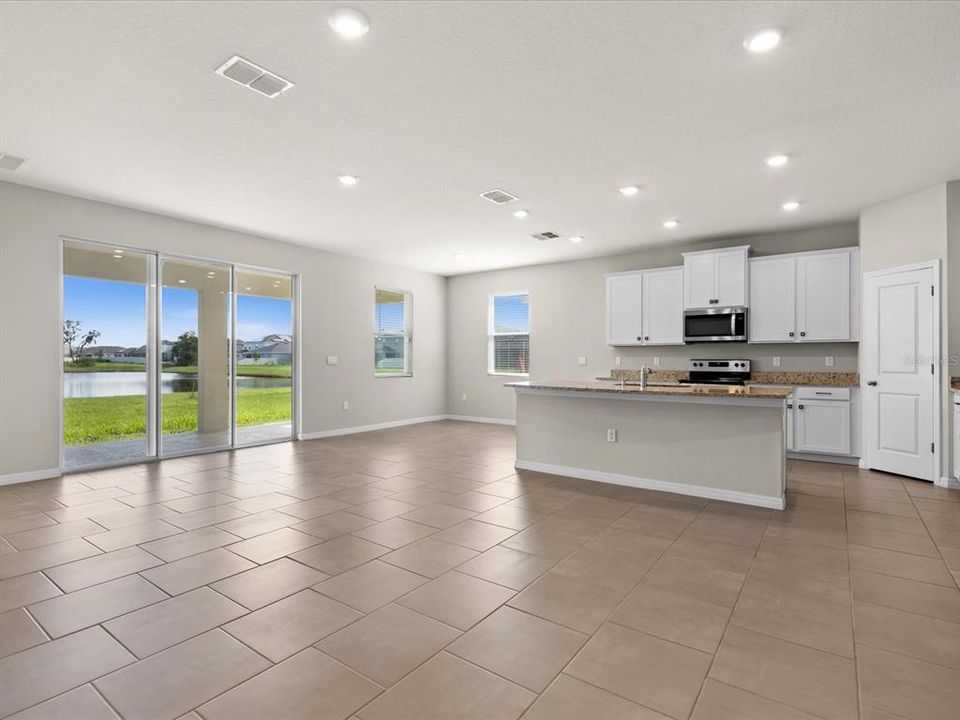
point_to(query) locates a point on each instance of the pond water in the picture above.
(106, 384)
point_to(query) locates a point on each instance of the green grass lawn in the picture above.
(123, 417)
(242, 370)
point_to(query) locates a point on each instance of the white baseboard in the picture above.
(30, 475)
(776, 503)
(491, 421)
(370, 428)
(948, 482)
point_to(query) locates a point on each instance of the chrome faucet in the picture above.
(644, 372)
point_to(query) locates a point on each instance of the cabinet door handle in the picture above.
(803, 334)
(872, 383)
(646, 337)
(800, 406)
(792, 333)
(639, 338)
(789, 406)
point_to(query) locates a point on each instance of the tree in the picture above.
(186, 349)
(76, 339)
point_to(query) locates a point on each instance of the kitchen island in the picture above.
(718, 442)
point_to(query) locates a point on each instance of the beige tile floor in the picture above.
(413, 573)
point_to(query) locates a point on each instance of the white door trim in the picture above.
(933, 265)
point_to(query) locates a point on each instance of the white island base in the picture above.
(723, 447)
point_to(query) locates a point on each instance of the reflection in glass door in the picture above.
(107, 358)
(195, 392)
(264, 362)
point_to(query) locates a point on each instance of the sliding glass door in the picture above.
(167, 356)
(195, 397)
(107, 355)
(264, 363)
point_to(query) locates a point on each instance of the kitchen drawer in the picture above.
(823, 393)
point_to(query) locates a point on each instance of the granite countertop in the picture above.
(818, 379)
(955, 383)
(717, 391)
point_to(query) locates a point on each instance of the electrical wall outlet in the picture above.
(346, 404)
(332, 359)
(463, 396)
(656, 360)
(581, 360)
(611, 434)
(617, 360)
(776, 361)
(829, 360)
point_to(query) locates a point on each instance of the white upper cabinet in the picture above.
(663, 306)
(772, 299)
(823, 296)
(624, 314)
(715, 278)
(645, 307)
(805, 297)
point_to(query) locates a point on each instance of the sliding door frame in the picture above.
(154, 365)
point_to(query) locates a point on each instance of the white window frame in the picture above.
(407, 333)
(491, 333)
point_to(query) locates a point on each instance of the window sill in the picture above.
(392, 375)
(516, 375)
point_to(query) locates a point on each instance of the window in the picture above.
(508, 344)
(391, 333)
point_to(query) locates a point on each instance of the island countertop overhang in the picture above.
(747, 395)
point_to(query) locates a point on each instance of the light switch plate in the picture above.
(463, 396)
(346, 404)
(776, 361)
(617, 360)
(332, 359)
(656, 360)
(611, 434)
(829, 360)
(581, 361)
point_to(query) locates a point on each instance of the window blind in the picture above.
(391, 333)
(509, 337)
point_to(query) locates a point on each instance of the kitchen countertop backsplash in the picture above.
(818, 378)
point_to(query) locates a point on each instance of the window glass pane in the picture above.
(391, 349)
(511, 314)
(510, 338)
(511, 354)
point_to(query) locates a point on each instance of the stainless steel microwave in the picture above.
(717, 324)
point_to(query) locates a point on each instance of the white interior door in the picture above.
(900, 384)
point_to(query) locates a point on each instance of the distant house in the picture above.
(252, 345)
(279, 352)
(100, 350)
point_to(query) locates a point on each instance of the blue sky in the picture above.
(118, 311)
(511, 313)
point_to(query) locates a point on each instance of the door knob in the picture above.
(872, 383)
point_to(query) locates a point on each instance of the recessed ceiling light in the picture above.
(763, 41)
(670, 224)
(778, 160)
(790, 205)
(247, 289)
(520, 214)
(576, 239)
(349, 23)
(118, 257)
(182, 282)
(348, 180)
(629, 190)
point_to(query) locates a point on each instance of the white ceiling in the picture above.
(558, 103)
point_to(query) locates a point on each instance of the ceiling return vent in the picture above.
(250, 75)
(10, 162)
(498, 197)
(547, 235)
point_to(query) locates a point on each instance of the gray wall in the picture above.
(337, 303)
(911, 229)
(567, 321)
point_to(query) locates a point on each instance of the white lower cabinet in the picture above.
(821, 420)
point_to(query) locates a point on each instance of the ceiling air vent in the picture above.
(10, 162)
(547, 235)
(498, 197)
(250, 75)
